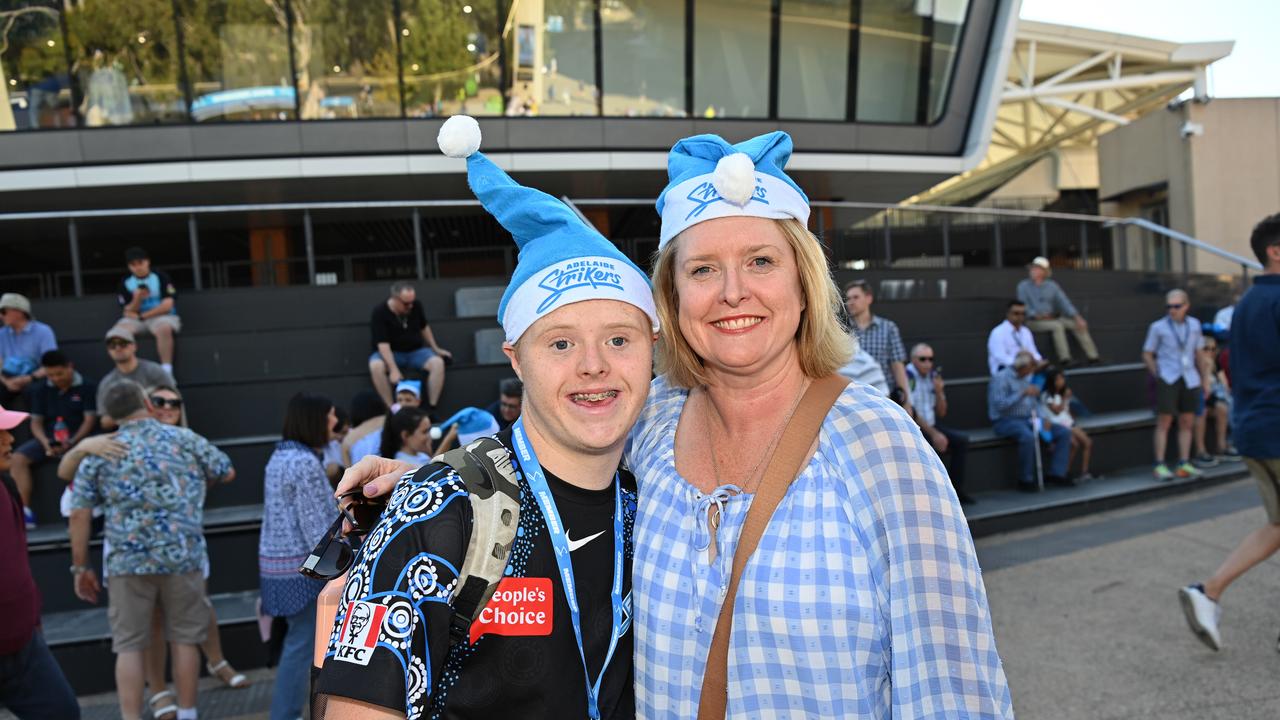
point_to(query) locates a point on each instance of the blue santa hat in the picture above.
(709, 178)
(472, 423)
(563, 260)
(413, 386)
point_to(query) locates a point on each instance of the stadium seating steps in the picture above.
(243, 353)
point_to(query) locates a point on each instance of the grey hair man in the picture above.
(402, 340)
(1012, 401)
(1171, 353)
(152, 500)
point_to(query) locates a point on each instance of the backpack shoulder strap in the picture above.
(485, 468)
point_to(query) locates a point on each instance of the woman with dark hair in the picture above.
(406, 436)
(297, 509)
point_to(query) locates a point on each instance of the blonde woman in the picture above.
(864, 597)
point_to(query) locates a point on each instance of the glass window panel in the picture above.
(553, 58)
(346, 59)
(948, 23)
(813, 59)
(731, 58)
(125, 60)
(237, 54)
(35, 89)
(890, 44)
(643, 43)
(452, 59)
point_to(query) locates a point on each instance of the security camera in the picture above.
(1189, 129)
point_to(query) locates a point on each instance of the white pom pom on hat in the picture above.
(459, 137)
(735, 178)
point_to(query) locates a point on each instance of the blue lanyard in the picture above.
(555, 528)
(1186, 334)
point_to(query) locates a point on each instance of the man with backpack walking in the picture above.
(546, 632)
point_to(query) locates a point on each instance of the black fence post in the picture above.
(311, 247)
(417, 243)
(73, 238)
(1084, 245)
(998, 260)
(193, 236)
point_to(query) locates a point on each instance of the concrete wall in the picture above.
(1217, 184)
(1235, 168)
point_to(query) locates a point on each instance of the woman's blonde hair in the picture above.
(822, 343)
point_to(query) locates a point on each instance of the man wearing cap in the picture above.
(147, 300)
(23, 340)
(580, 323)
(1049, 309)
(124, 353)
(31, 682)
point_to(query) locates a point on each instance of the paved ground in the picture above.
(1086, 617)
(1089, 626)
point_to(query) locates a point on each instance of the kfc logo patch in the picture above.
(359, 634)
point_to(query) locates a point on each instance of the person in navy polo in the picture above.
(63, 413)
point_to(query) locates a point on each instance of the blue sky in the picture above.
(1252, 69)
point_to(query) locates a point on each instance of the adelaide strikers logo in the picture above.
(705, 195)
(577, 274)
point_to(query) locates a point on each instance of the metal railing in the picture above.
(858, 235)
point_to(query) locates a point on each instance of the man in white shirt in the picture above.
(1011, 337)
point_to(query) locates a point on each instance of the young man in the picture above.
(878, 336)
(1051, 311)
(128, 366)
(153, 504)
(507, 407)
(147, 300)
(63, 398)
(1171, 353)
(555, 639)
(23, 339)
(403, 339)
(1011, 337)
(31, 682)
(1255, 376)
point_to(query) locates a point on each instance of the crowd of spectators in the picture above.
(154, 550)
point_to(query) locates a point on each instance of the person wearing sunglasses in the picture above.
(929, 398)
(1171, 353)
(297, 507)
(555, 640)
(123, 350)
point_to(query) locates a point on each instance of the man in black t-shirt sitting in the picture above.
(563, 604)
(403, 341)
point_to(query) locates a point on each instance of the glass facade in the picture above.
(451, 57)
(813, 60)
(644, 58)
(237, 60)
(102, 63)
(731, 58)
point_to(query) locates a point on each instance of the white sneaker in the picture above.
(1202, 615)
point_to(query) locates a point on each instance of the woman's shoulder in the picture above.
(875, 434)
(663, 405)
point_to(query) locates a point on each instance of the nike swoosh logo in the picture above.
(575, 544)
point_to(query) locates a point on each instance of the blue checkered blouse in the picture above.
(863, 600)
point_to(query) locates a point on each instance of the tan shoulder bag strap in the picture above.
(784, 466)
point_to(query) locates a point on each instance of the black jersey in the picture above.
(390, 643)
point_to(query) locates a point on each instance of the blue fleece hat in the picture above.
(563, 260)
(472, 423)
(413, 386)
(709, 178)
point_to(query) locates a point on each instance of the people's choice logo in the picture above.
(577, 274)
(520, 606)
(359, 634)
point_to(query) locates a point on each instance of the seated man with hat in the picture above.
(1049, 310)
(23, 340)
